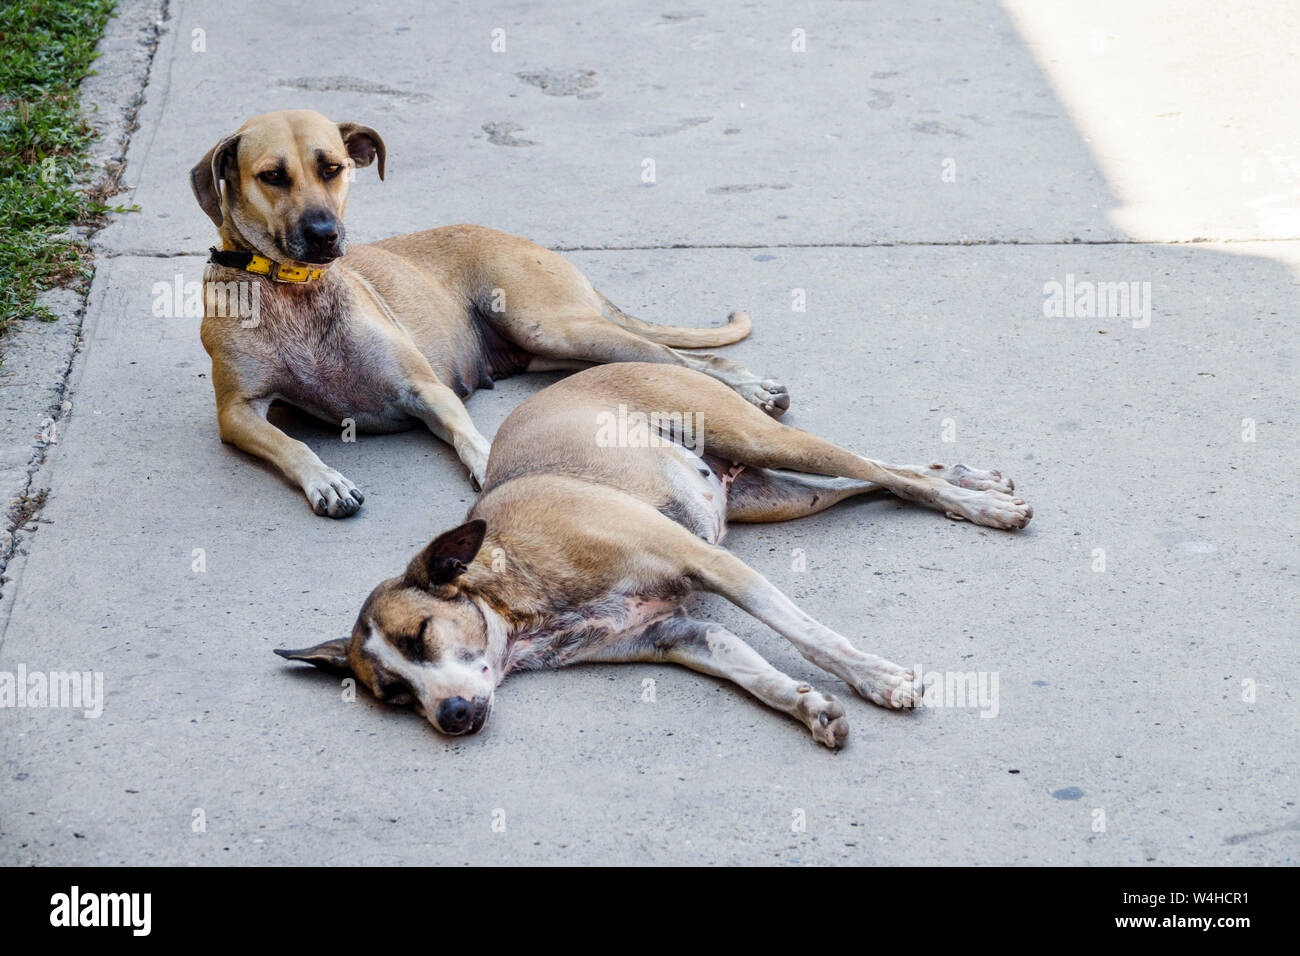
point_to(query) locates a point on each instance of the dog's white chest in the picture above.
(337, 379)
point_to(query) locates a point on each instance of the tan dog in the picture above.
(397, 331)
(606, 498)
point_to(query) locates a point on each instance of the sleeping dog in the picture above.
(606, 498)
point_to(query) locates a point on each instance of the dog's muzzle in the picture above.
(319, 238)
(456, 715)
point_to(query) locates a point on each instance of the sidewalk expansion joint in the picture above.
(882, 244)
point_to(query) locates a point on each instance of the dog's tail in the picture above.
(737, 328)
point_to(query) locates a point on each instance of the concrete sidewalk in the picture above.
(1144, 713)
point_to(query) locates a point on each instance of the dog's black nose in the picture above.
(320, 228)
(454, 715)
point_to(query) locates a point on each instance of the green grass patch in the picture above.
(46, 48)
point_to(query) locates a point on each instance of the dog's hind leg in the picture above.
(712, 649)
(765, 494)
(590, 338)
(734, 433)
(539, 301)
(958, 492)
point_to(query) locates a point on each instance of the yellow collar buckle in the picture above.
(262, 266)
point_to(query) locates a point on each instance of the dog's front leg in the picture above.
(243, 424)
(880, 681)
(445, 415)
(711, 649)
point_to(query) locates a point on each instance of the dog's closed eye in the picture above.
(412, 646)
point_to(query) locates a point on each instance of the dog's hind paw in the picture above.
(993, 509)
(770, 396)
(963, 476)
(891, 686)
(329, 493)
(474, 452)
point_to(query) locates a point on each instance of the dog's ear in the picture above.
(207, 176)
(363, 144)
(330, 656)
(446, 556)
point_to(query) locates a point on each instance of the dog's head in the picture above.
(420, 641)
(280, 183)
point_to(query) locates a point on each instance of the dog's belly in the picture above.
(698, 491)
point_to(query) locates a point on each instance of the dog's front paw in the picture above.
(824, 716)
(329, 493)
